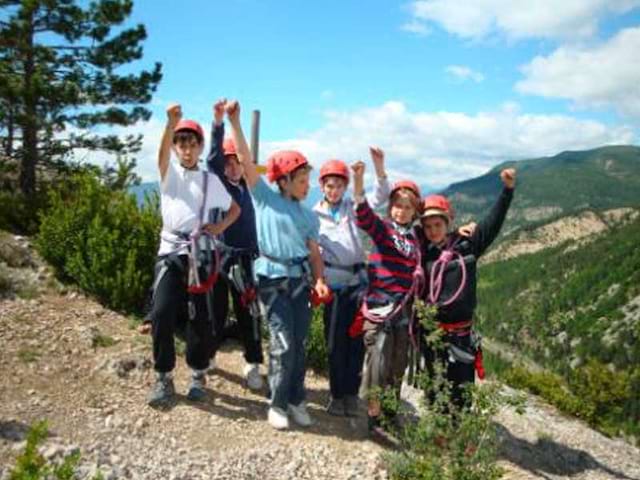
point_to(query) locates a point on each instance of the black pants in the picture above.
(346, 354)
(174, 309)
(458, 373)
(249, 331)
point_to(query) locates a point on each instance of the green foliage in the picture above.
(62, 75)
(101, 240)
(568, 309)
(19, 213)
(103, 341)
(31, 465)
(316, 348)
(446, 442)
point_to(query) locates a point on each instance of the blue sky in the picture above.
(447, 88)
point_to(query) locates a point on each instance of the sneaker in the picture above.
(252, 374)
(336, 407)
(351, 406)
(278, 418)
(300, 415)
(162, 391)
(196, 392)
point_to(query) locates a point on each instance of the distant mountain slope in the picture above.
(551, 187)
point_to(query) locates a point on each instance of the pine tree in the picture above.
(59, 62)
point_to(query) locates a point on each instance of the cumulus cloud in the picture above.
(603, 76)
(437, 148)
(478, 19)
(463, 73)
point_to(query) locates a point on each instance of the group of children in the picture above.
(226, 231)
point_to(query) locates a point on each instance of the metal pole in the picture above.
(255, 135)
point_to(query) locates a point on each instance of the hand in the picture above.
(322, 289)
(468, 229)
(218, 110)
(377, 156)
(232, 107)
(174, 114)
(358, 169)
(508, 177)
(214, 229)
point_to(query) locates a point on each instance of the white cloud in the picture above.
(463, 73)
(478, 19)
(417, 27)
(437, 148)
(603, 76)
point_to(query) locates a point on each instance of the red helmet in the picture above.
(190, 125)
(229, 147)
(334, 167)
(407, 184)
(437, 205)
(283, 163)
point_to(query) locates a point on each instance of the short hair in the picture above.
(406, 193)
(186, 136)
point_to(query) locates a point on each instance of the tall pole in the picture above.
(255, 135)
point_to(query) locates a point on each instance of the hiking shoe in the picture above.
(300, 415)
(351, 405)
(162, 391)
(336, 407)
(252, 374)
(278, 418)
(196, 392)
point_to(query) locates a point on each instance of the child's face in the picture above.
(298, 186)
(233, 169)
(188, 151)
(402, 210)
(333, 188)
(435, 229)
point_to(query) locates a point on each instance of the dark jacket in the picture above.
(471, 249)
(242, 233)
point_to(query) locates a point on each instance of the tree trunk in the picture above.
(29, 122)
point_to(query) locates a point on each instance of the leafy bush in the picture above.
(317, 355)
(447, 442)
(31, 465)
(19, 214)
(101, 240)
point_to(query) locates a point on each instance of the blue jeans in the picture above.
(288, 318)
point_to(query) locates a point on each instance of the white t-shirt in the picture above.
(180, 202)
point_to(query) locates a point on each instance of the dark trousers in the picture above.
(249, 331)
(174, 309)
(346, 354)
(459, 374)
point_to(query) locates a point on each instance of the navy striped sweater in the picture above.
(393, 259)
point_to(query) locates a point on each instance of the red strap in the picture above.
(479, 364)
(357, 325)
(455, 327)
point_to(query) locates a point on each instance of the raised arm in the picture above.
(366, 218)
(215, 159)
(489, 228)
(174, 114)
(380, 194)
(244, 154)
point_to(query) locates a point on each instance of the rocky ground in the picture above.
(86, 370)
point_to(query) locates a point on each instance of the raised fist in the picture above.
(508, 177)
(232, 107)
(174, 113)
(358, 169)
(377, 155)
(218, 110)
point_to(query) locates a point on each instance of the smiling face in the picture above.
(188, 148)
(333, 188)
(403, 207)
(435, 228)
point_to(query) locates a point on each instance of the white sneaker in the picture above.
(278, 418)
(300, 415)
(252, 374)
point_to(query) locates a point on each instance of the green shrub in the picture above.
(31, 465)
(19, 214)
(447, 442)
(317, 356)
(101, 240)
